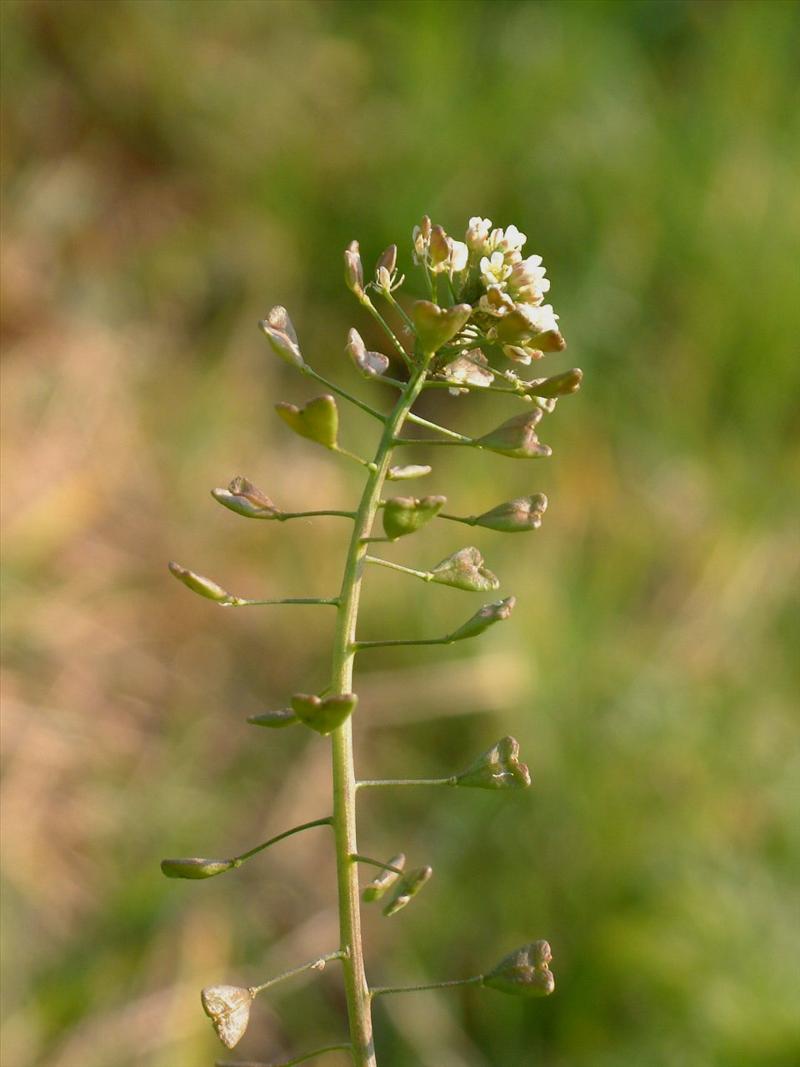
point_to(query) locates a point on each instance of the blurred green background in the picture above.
(171, 170)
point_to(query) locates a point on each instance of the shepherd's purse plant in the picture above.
(485, 307)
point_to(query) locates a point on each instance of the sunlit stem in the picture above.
(359, 646)
(317, 964)
(381, 991)
(237, 861)
(311, 373)
(457, 439)
(351, 455)
(242, 602)
(313, 514)
(387, 329)
(426, 576)
(381, 783)
(468, 520)
(356, 858)
(419, 421)
(477, 388)
(286, 1063)
(400, 311)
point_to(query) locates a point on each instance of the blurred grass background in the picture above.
(171, 170)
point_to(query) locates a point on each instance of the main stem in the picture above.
(344, 785)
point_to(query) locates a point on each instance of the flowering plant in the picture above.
(485, 307)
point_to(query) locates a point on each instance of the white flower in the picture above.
(495, 302)
(494, 269)
(542, 318)
(508, 241)
(478, 234)
(527, 282)
(459, 254)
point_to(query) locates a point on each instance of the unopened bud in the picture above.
(521, 353)
(384, 881)
(281, 336)
(514, 516)
(465, 569)
(353, 271)
(318, 420)
(274, 720)
(408, 887)
(524, 972)
(388, 259)
(487, 616)
(370, 364)
(440, 248)
(412, 470)
(421, 238)
(246, 499)
(324, 715)
(436, 326)
(195, 867)
(228, 1008)
(405, 514)
(516, 437)
(499, 768)
(198, 584)
(558, 385)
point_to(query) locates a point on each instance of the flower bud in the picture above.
(499, 768)
(195, 867)
(412, 470)
(388, 260)
(516, 437)
(421, 238)
(558, 385)
(405, 514)
(198, 584)
(246, 499)
(228, 1008)
(408, 887)
(514, 516)
(318, 420)
(477, 236)
(436, 326)
(324, 715)
(470, 368)
(465, 569)
(384, 880)
(353, 271)
(274, 720)
(281, 336)
(487, 616)
(521, 353)
(370, 364)
(439, 248)
(524, 972)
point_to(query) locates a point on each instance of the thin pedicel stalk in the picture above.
(451, 348)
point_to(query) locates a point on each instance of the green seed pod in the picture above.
(282, 337)
(524, 972)
(558, 385)
(246, 499)
(412, 470)
(487, 616)
(516, 437)
(195, 867)
(353, 270)
(465, 569)
(514, 516)
(408, 887)
(324, 715)
(384, 880)
(405, 514)
(498, 768)
(368, 364)
(318, 420)
(198, 584)
(436, 326)
(228, 1008)
(274, 720)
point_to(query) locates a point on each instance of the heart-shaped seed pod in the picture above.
(516, 437)
(524, 972)
(487, 616)
(274, 720)
(405, 514)
(326, 714)
(246, 499)
(195, 867)
(514, 516)
(411, 470)
(436, 326)
(200, 585)
(228, 1008)
(498, 768)
(318, 420)
(384, 880)
(408, 886)
(369, 364)
(558, 385)
(281, 336)
(465, 569)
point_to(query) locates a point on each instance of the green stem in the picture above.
(381, 991)
(400, 311)
(287, 1063)
(358, 646)
(381, 783)
(242, 602)
(311, 373)
(344, 785)
(317, 964)
(426, 576)
(356, 858)
(367, 303)
(468, 520)
(284, 515)
(239, 860)
(419, 421)
(454, 439)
